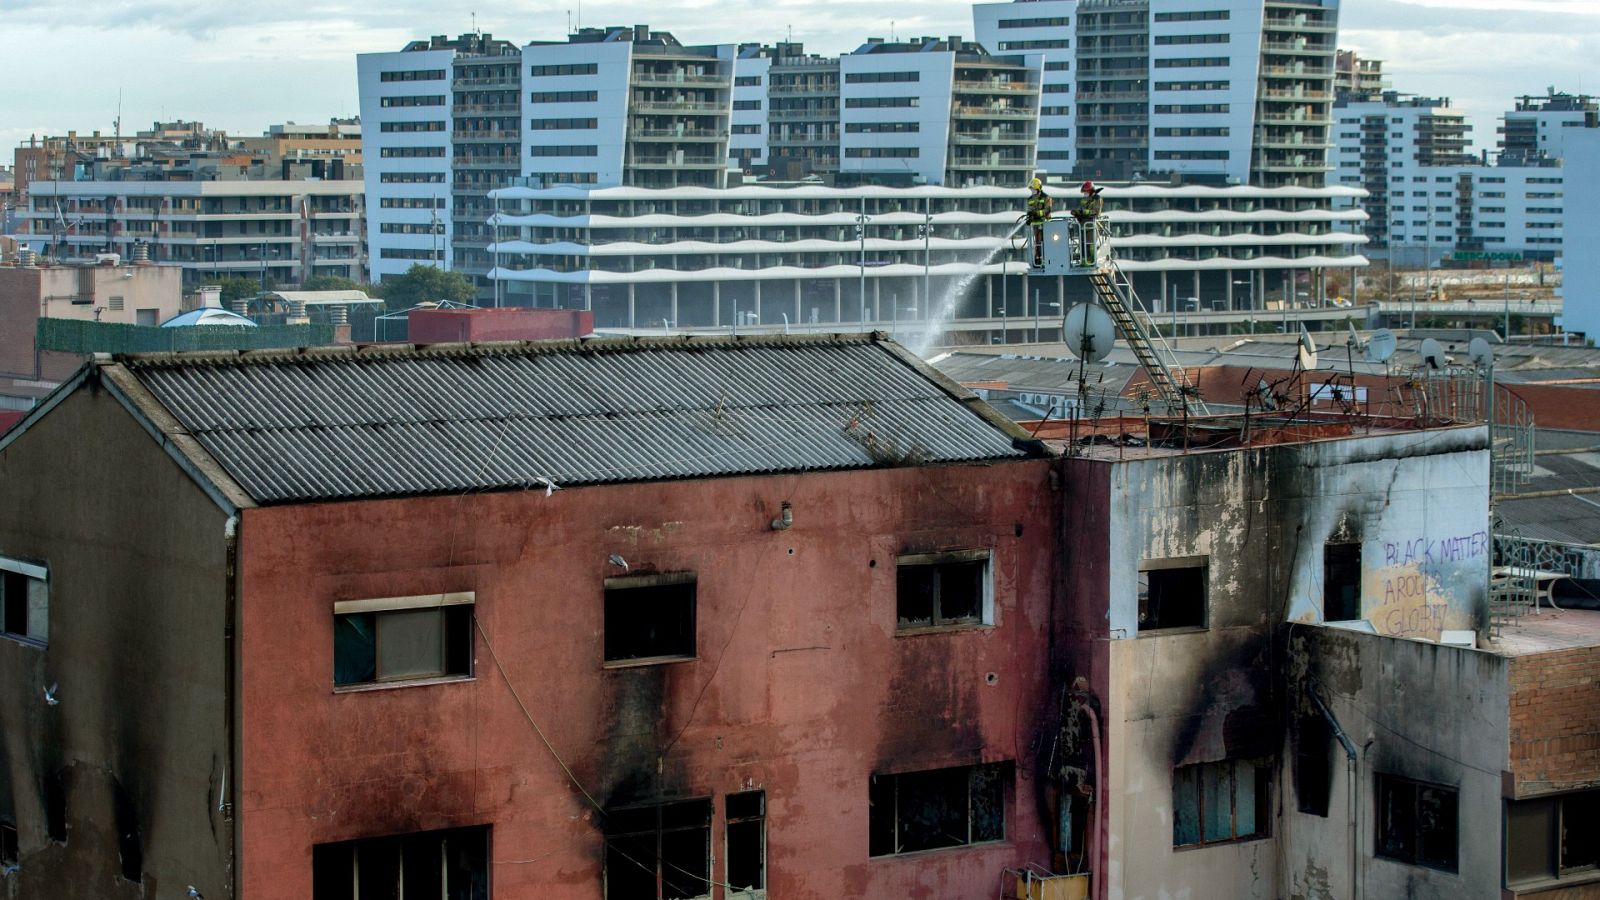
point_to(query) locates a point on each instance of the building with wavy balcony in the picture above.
(809, 255)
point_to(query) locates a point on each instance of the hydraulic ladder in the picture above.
(1117, 295)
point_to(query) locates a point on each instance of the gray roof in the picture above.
(345, 423)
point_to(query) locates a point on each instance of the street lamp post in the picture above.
(927, 240)
(1054, 304)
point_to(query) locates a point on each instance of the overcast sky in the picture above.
(242, 66)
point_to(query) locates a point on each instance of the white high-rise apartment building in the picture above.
(1537, 127)
(1231, 90)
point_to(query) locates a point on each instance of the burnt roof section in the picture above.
(348, 423)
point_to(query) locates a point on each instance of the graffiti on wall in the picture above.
(1411, 593)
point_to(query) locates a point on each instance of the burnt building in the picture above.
(569, 619)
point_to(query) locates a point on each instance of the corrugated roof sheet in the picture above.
(370, 422)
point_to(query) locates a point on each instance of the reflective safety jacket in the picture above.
(1092, 207)
(1038, 208)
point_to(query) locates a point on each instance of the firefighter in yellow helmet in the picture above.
(1039, 207)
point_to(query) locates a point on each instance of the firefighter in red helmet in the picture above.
(1090, 209)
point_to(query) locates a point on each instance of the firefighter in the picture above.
(1039, 207)
(1088, 213)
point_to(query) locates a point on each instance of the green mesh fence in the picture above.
(74, 336)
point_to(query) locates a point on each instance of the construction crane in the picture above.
(1073, 247)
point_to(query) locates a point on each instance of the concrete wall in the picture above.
(1261, 517)
(801, 686)
(136, 557)
(1580, 290)
(1418, 710)
(77, 292)
(1555, 721)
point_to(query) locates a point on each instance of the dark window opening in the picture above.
(24, 605)
(660, 852)
(402, 644)
(1341, 582)
(1313, 766)
(1172, 594)
(430, 865)
(1218, 802)
(1549, 838)
(650, 617)
(1417, 823)
(747, 840)
(941, 808)
(9, 853)
(130, 851)
(55, 807)
(942, 590)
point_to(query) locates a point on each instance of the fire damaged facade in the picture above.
(796, 617)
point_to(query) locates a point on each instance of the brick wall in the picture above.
(1555, 721)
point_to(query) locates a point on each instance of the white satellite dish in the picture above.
(1381, 346)
(1307, 354)
(1264, 392)
(1432, 354)
(1481, 352)
(1089, 331)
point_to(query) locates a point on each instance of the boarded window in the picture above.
(1313, 765)
(402, 639)
(943, 590)
(1417, 823)
(24, 601)
(1552, 837)
(431, 865)
(1217, 802)
(650, 618)
(660, 852)
(1172, 594)
(747, 841)
(930, 810)
(1341, 582)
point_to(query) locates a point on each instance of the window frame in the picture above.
(332, 854)
(1264, 780)
(623, 583)
(29, 573)
(1141, 592)
(660, 832)
(379, 606)
(1329, 550)
(1003, 772)
(730, 820)
(1416, 786)
(938, 622)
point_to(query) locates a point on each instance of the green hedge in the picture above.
(76, 336)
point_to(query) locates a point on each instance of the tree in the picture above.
(334, 283)
(238, 287)
(422, 284)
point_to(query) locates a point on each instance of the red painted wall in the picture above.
(441, 326)
(801, 686)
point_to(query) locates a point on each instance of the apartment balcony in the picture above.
(677, 134)
(1297, 142)
(1302, 23)
(509, 82)
(1308, 71)
(1307, 48)
(475, 109)
(1295, 164)
(1113, 96)
(805, 90)
(676, 161)
(1089, 119)
(1112, 141)
(677, 106)
(675, 78)
(990, 161)
(992, 137)
(344, 238)
(803, 115)
(1295, 95)
(1299, 118)
(478, 164)
(992, 112)
(991, 86)
(489, 135)
(1089, 74)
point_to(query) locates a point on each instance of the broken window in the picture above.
(747, 842)
(9, 853)
(943, 590)
(1552, 837)
(402, 639)
(55, 806)
(430, 865)
(1417, 822)
(130, 849)
(940, 808)
(1172, 594)
(659, 852)
(1217, 802)
(24, 600)
(1313, 765)
(650, 618)
(1341, 582)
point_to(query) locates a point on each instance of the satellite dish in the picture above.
(1432, 354)
(1354, 340)
(1480, 352)
(1381, 345)
(1307, 354)
(1089, 331)
(1264, 391)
